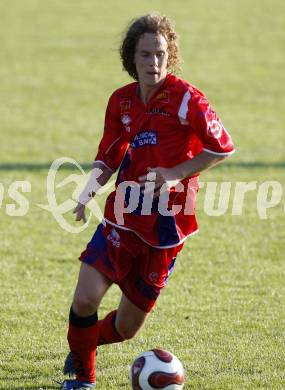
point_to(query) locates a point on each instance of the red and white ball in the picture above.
(156, 369)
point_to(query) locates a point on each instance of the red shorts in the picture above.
(139, 269)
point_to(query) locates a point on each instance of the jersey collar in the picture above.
(159, 90)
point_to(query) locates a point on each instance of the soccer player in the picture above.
(160, 131)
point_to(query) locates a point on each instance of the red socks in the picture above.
(84, 335)
(82, 338)
(81, 343)
(107, 330)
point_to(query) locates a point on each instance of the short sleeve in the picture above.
(113, 146)
(207, 126)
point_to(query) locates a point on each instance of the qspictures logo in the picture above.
(59, 210)
(218, 198)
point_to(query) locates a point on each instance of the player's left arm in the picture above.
(216, 145)
(172, 176)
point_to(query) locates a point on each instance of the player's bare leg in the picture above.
(90, 289)
(129, 318)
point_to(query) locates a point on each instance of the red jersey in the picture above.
(176, 124)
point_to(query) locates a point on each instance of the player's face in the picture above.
(151, 58)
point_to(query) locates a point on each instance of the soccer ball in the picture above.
(156, 369)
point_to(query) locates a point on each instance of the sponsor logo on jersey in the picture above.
(144, 138)
(126, 121)
(163, 96)
(157, 111)
(125, 106)
(114, 238)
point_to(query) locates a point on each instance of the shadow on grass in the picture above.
(13, 386)
(35, 167)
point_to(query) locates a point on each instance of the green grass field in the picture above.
(223, 311)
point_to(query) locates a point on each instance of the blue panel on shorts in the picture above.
(167, 232)
(97, 249)
(98, 240)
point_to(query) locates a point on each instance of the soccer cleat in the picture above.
(71, 384)
(68, 368)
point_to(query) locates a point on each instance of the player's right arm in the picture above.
(111, 151)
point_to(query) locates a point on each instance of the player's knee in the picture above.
(84, 305)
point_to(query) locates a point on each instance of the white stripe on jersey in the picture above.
(217, 153)
(183, 110)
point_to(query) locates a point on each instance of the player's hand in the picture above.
(80, 212)
(164, 179)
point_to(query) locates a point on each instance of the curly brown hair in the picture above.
(150, 23)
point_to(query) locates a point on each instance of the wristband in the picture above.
(91, 187)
